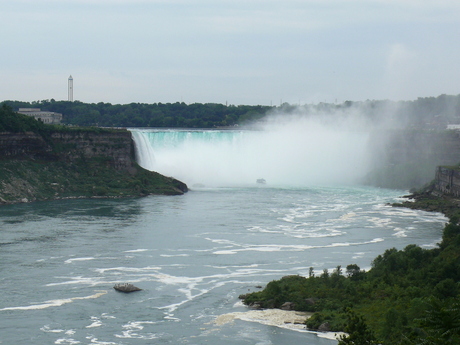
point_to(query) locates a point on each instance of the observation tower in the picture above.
(70, 89)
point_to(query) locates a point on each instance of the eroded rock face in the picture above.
(116, 147)
(288, 306)
(324, 327)
(126, 287)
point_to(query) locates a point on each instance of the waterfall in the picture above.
(289, 155)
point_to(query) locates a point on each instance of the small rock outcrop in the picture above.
(324, 327)
(288, 306)
(126, 287)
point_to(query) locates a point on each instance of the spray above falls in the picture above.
(284, 152)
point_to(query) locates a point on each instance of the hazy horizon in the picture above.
(235, 52)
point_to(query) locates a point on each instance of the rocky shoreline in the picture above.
(432, 201)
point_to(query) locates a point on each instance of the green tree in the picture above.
(441, 323)
(357, 331)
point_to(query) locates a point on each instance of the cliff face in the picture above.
(116, 147)
(447, 181)
(73, 164)
(408, 159)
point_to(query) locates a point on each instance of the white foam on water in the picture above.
(273, 248)
(133, 330)
(67, 341)
(301, 230)
(69, 261)
(135, 251)
(127, 269)
(91, 281)
(347, 216)
(48, 329)
(330, 335)
(398, 232)
(96, 322)
(55, 303)
(96, 341)
(358, 255)
(174, 255)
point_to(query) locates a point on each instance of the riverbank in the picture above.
(431, 201)
(23, 181)
(391, 297)
(49, 162)
(287, 319)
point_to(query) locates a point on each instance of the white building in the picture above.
(48, 117)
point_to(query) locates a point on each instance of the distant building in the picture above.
(48, 117)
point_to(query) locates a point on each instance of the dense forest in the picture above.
(11, 121)
(409, 296)
(179, 115)
(430, 112)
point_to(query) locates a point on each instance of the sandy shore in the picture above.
(272, 317)
(293, 320)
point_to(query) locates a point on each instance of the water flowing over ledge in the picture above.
(295, 154)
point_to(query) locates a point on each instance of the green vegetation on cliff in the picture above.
(26, 180)
(47, 162)
(409, 296)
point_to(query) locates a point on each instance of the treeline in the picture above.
(174, 115)
(427, 113)
(409, 296)
(11, 121)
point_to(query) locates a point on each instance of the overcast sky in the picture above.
(235, 51)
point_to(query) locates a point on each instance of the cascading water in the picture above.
(290, 154)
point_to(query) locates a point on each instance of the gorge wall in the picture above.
(447, 181)
(75, 164)
(116, 147)
(406, 159)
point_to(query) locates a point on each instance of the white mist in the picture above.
(290, 151)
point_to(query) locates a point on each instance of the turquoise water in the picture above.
(192, 255)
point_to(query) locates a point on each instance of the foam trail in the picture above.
(54, 303)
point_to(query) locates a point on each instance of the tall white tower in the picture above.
(70, 91)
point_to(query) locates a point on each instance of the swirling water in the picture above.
(192, 255)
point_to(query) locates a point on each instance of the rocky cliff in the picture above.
(447, 181)
(116, 146)
(406, 159)
(75, 163)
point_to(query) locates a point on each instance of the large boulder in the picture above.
(126, 287)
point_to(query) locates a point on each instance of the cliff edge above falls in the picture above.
(75, 163)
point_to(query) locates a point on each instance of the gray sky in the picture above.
(235, 51)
